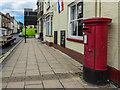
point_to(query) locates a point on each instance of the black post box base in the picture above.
(97, 77)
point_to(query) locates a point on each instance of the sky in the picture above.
(16, 7)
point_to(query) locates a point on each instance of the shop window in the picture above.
(75, 21)
(49, 26)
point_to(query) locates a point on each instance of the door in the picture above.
(55, 37)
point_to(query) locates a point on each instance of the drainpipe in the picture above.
(100, 8)
(95, 8)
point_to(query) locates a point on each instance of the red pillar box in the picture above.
(95, 50)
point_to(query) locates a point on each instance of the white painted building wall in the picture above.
(12, 27)
(15, 27)
(12, 24)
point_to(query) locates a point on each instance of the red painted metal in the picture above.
(95, 52)
(114, 75)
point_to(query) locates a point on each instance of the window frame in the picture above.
(49, 29)
(69, 21)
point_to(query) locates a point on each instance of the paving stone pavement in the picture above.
(36, 65)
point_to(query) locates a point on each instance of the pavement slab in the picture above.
(6, 74)
(71, 83)
(15, 85)
(46, 72)
(33, 66)
(36, 65)
(19, 71)
(33, 86)
(52, 84)
(32, 72)
(4, 85)
(33, 83)
(18, 74)
(43, 69)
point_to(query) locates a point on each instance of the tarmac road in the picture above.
(6, 48)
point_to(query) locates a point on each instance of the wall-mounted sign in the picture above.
(62, 42)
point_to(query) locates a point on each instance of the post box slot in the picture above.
(85, 28)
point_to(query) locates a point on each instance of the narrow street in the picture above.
(8, 47)
(35, 65)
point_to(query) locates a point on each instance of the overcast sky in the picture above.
(16, 7)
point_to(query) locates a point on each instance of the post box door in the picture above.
(89, 48)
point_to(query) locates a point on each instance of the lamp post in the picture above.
(25, 14)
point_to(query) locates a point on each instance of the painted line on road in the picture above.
(4, 56)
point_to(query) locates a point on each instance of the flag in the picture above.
(60, 5)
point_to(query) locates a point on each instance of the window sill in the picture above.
(75, 40)
(49, 35)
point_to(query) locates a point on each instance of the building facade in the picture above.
(20, 26)
(62, 29)
(7, 22)
(15, 27)
(10, 26)
(0, 20)
(40, 10)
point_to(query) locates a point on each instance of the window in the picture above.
(3, 32)
(75, 21)
(49, 26)
(3, 24)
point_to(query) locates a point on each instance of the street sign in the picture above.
(28, 9)
(30, 17)
(30, 20)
